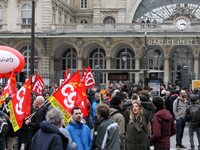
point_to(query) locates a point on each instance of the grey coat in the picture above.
(107, 136)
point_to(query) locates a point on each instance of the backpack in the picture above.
(194, 114)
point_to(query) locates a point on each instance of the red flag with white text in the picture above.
(37, 84)
(10, 88)
(89, 79)
(69, 95)
(20, 105)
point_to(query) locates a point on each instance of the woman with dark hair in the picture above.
(163, 126)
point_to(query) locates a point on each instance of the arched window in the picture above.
(97, 58)
(1, 14)
(69, 59)
(26, 13)
(109, 20)
(153, 59)
(26, 52)
(125, 59)
(161, 10)
(181, 57)
(83, 21)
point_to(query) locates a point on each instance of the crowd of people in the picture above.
(120, 118)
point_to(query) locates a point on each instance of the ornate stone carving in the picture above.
(79, 42)
(108, 42)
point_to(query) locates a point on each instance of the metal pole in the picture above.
(33, 37)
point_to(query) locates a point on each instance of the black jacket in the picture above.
(49, 137)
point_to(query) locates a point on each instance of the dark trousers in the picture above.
(193, 129)
(180, 125)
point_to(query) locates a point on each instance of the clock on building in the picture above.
(181, 23)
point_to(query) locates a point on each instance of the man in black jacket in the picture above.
(34, 122)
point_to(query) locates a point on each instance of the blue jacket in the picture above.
(80, 134)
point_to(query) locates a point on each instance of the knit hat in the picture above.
(159, 103)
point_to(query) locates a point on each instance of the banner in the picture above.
(88, 79)
(20, 105)
(9, 89)
(37, 84)
(69, 95)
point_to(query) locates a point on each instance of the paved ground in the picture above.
(185, 140)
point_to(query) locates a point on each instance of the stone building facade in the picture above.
(143, 38)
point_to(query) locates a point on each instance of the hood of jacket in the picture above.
(164, 114)
(49, 127)
(114, 110)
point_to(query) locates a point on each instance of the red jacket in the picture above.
(163, 128)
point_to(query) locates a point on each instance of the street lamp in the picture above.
(33, 37)
(98, 75)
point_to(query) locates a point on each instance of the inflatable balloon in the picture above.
(10, 59)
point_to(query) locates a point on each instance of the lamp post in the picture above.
(33, 37)
(98, 75)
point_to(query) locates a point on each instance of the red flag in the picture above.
(69, 95)
(9, 89)
(20, 105)
(37, 84)
(89, 79)
(67, 74)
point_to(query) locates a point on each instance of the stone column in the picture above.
(137, 66)
(166, 70)
(80, 62)
(108, 65)
(196, 67)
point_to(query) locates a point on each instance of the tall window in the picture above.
(1, 14)
(125, 59)
(97, 58)
(26, 52)
(69, 59)
(181, 57)
(26, 14)
(153, 59)
(83, 3)
(54, 15)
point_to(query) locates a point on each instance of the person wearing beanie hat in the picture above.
(116, 114)
(162, 127)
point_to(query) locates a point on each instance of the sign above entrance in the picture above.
(173, 41)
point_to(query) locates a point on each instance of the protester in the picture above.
(163, 126)
(49, 136)
(138, 129)
(116, 115)
(179, 108)
(193, 117)
(79, 132)
(36, 119)
(106, 137)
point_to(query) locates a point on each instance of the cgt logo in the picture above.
(20, 98)
(69, 92)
